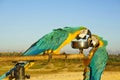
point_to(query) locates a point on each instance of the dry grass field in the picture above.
(107, 75)
(65, 69)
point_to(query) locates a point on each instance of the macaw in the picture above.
(97, 59)
(54, 41)
(51, 43)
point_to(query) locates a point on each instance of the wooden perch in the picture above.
(41, 57)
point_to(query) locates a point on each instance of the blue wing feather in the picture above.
(50, 41)
(98, 63)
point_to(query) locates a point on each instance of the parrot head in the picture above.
(84, 37)
(83, 34)
(96, 40)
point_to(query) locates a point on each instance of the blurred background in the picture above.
(23, 22)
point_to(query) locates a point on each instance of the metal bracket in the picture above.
(19, 72)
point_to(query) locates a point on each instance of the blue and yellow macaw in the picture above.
(54, 41)
(97, 59)
(50, 43)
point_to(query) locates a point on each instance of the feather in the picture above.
(98, 62)
(50, 41)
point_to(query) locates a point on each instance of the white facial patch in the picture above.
(94, 40)
(83, 33)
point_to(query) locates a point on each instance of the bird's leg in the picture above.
(49, 57)
(45, 52)
(50, 52)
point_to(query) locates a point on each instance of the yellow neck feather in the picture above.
(71, 36)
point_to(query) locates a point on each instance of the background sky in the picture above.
(23, 22)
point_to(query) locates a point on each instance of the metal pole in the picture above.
(19, 73)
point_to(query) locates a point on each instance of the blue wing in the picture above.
(98, 63)
(50, 41)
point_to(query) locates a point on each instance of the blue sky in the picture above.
(22, 22)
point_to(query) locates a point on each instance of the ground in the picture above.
(107, 75)
(65, 69)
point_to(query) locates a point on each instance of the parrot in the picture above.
(54, 41)
(51, 43)
(98, 60)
